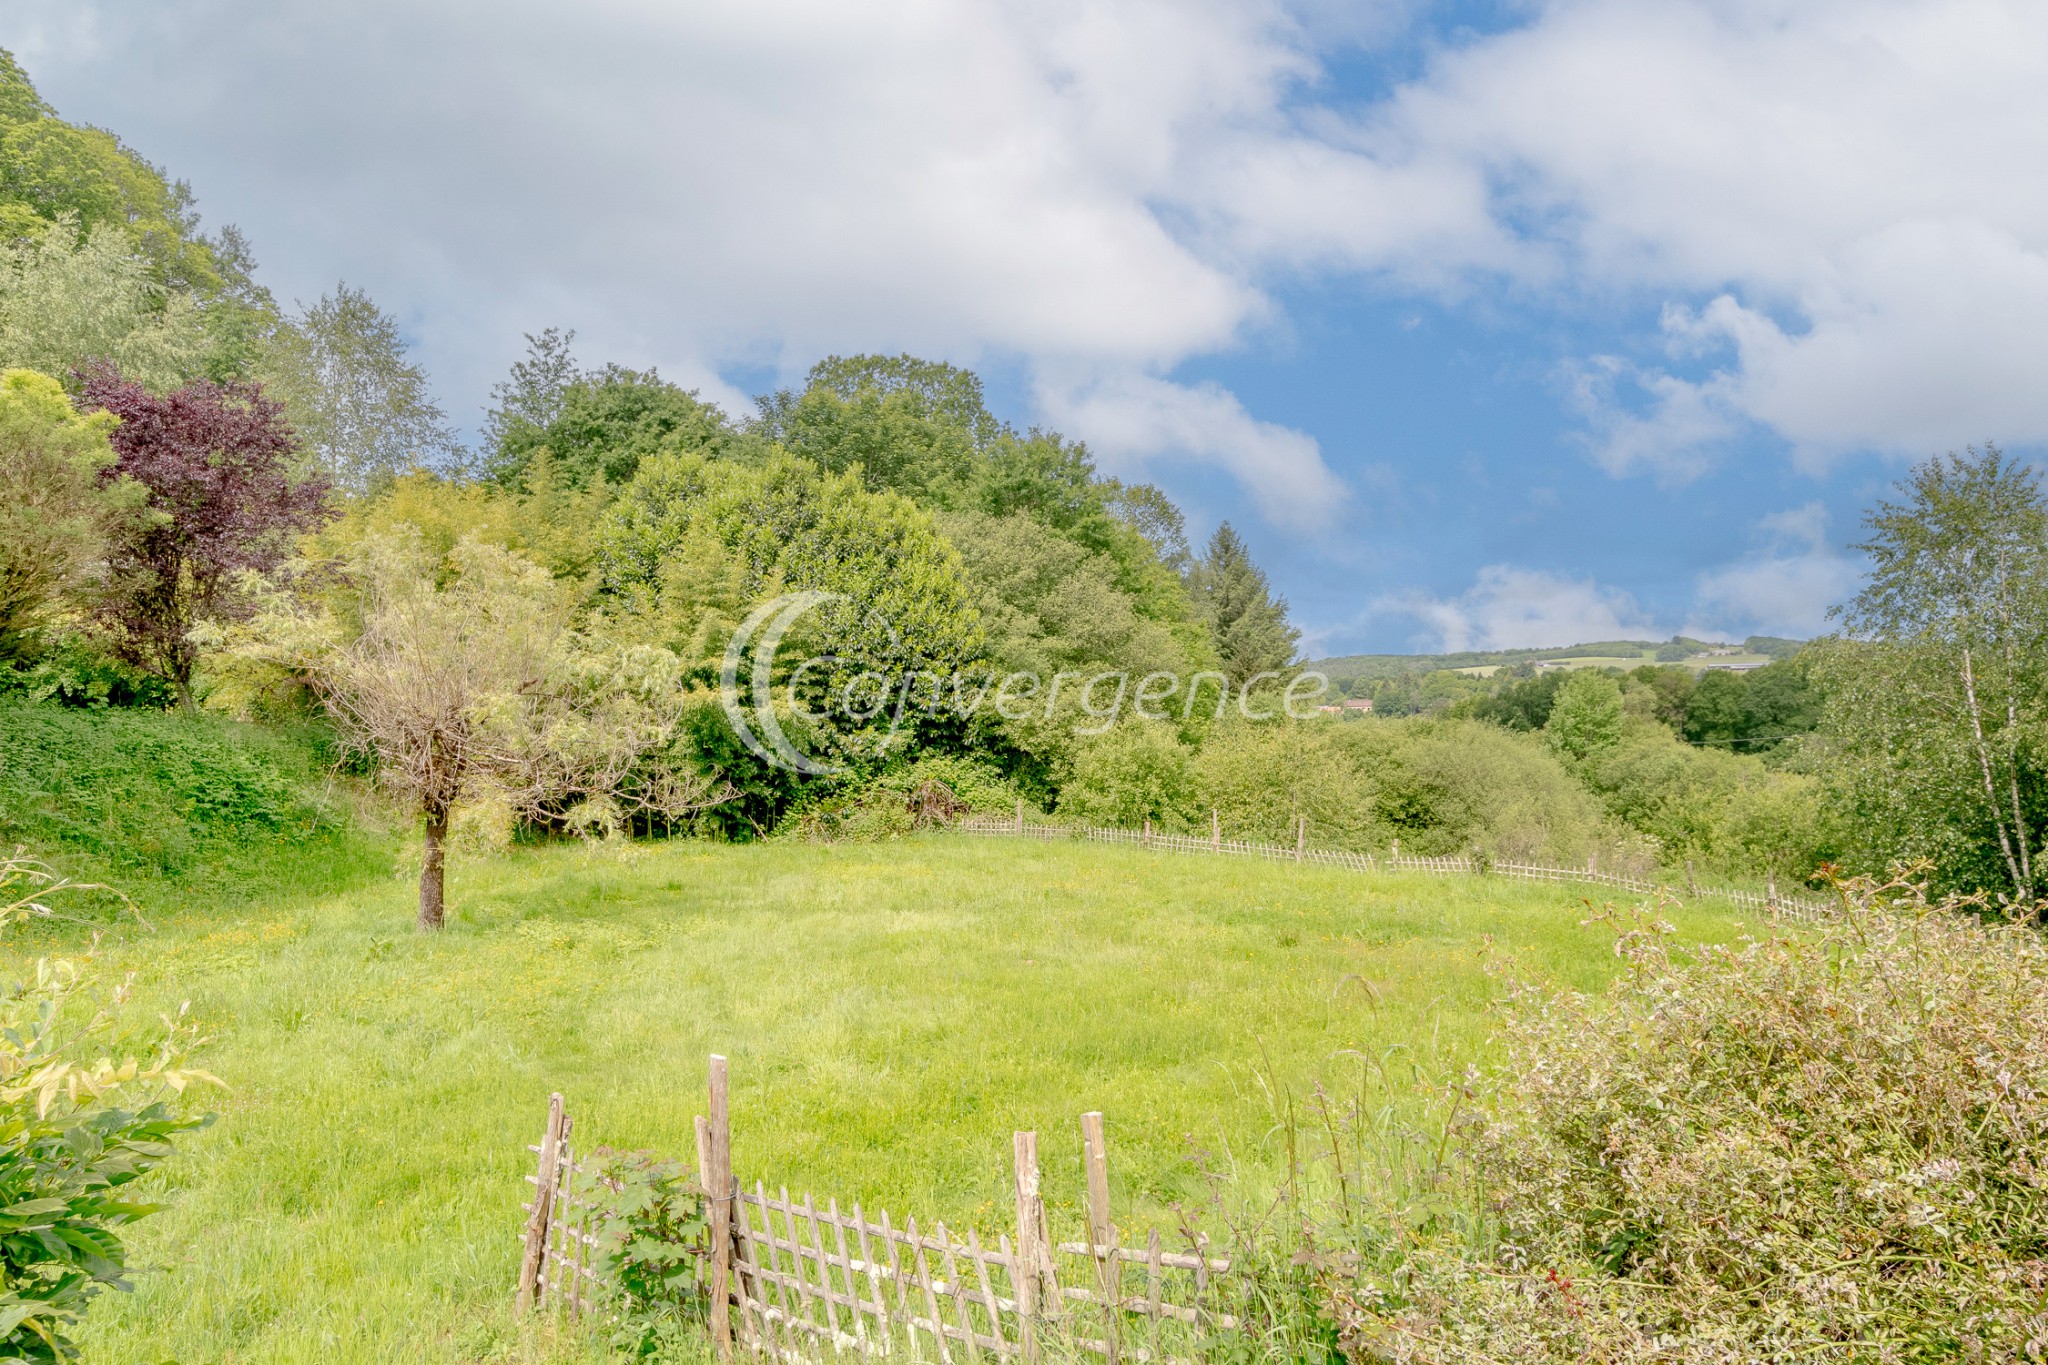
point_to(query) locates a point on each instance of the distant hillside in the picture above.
(1624, 653)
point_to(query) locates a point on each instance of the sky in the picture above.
(1487, 324)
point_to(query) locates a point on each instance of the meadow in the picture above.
(892, 1011)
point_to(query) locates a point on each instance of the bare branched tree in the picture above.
(465, 675)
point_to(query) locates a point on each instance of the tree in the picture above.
(67, 300)
(1585, 719)
(531, 398)
(216, 461)
(1248, 624)
(605, 424)
(1955, 609)
(361, 409)
(55, 514)
(460, 675)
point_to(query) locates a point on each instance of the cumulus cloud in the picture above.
(1131, 418)
(1835, 198)
(1786, 587)
(1515, 608)
(740, 184)
(1834, 195)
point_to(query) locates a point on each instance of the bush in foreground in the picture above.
(79, 1123)
(1826, 1147)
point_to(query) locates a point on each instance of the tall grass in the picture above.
(179, 809)
(892, 1013)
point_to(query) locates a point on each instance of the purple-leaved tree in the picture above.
(216, 459)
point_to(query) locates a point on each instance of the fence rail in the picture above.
(793, 1282)
(1000, 826)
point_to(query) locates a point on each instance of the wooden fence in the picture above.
(790, 1281)
(1769, 902)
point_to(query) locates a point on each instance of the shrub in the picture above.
(651, 1239)
(1446, 786)
(1729, 811)
(933, 790)
(1134, 773)
(79, 1123)
(1260, 778)
(1823, 1147)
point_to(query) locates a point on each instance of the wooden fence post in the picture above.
(1102, 1233)
(1300, 836)
(532, 1263)
(1020, 815)
(1692, 887)
(1148, 832)
(1215, 831)
(1031, 1249)
(1771, 886)
(718, 1193)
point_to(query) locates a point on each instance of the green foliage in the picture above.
(362, 409)
(651, 1235)
(1449, 786)
(1752, 712)
(52, 172)
(1259, 777)
(1820, 1146)
(1728, 811)
(54, 513)
(1585, 718)
(1936, 699)
(68, 297)
(928, 792)
(70, 1147)
(1248, 624)
(75, 670)
(604, 425)
(688, 523)
(1522, 704)
(1133, 773)
(174, 804)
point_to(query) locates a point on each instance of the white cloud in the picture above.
(1837, 199)
(1513, 608)
(1843, 184)
(1128, 419)
(716, 184)
(1787, 587)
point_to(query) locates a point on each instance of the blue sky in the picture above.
(1488, 324)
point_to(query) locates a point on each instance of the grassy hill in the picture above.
(892, 1013)
(1608, 653)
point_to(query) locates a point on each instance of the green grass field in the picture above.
(892, 1013)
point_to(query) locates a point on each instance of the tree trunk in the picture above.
(432, 871)
(2012, 863)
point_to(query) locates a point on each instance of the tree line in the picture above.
(212, 499)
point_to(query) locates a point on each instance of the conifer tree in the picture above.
(1248, 623)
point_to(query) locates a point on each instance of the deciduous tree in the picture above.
(1937, 689)
(216, 461)
(55, 513)
(362, 409)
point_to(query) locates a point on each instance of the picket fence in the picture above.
(1769, 902)
(789, 1281)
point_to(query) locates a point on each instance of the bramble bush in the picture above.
(651, 1232)
(1829, 1145)
(85, 1111)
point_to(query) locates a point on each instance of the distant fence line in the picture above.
(1768, 902)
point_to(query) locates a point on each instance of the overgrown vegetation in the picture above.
(1824, 1146)
(87, 1108)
